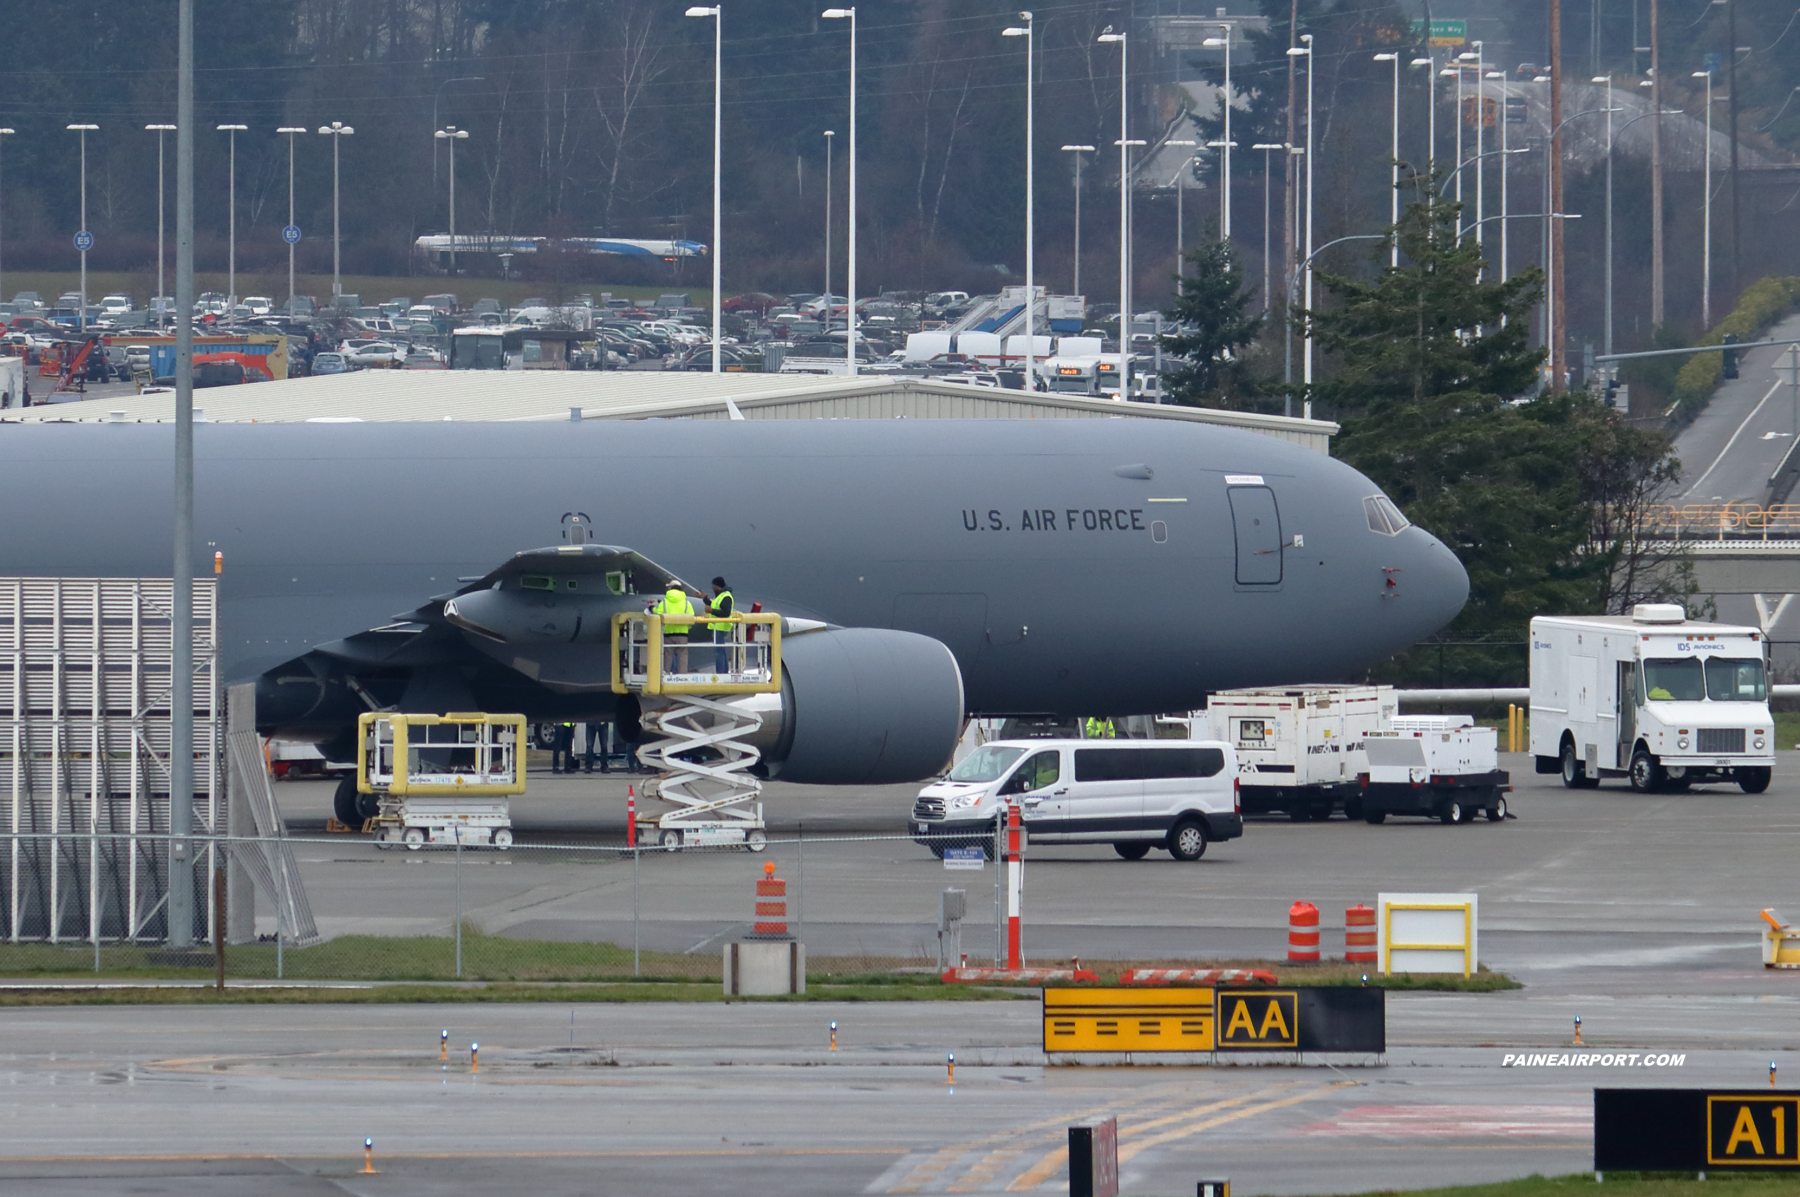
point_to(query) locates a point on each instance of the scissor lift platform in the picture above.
(703, 746)
(441, 779)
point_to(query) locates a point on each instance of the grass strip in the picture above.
(495, 959)
(1621, 1184)
(414, 994)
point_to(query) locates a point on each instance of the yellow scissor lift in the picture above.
(704, 751)
(442, 779)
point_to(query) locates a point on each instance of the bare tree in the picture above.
(634, 64)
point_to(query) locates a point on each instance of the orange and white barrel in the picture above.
(1359, 935)
(1303, 933)
(771, 903)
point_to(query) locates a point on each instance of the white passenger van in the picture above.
(1177, 795)
(1662, 700)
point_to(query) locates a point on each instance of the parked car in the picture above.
(259, 305)
(330, 363)
(28, 299)
(113, 305)
(375, 353)
(484, 306)
(424, 361)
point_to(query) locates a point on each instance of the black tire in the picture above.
(1187, 840)
(1132, 849)
(1374, 816)
(1299, 814)
(1647, 774)
(367, 806)
(1574, 772)
(1496, 810)
(1321, 814)
(1754, 781)
(343, 803)
(1451, 812)
(1353, 809)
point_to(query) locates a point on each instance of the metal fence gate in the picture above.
(84, 756)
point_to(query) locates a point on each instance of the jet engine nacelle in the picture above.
(862, 706)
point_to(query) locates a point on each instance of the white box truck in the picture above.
(1654, 697)
(1300, 748)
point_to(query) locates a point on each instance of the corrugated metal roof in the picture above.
(501, 395)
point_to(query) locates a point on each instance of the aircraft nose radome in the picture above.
(1437, 585)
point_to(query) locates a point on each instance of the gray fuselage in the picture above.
(1031, 548)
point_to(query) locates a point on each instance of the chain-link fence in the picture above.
(870, 909)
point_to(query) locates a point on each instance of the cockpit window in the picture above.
(1383, 516)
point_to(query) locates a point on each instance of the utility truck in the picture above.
(1299, 748)
(1661, 700)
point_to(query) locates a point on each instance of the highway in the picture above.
(1728, 453)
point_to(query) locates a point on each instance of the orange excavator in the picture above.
(72, 378)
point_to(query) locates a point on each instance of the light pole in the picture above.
(1607, 332)
(435, 95)
(1430, 65)
(83, 239)
(1550, 214)
(849, 14)
(1224, 196)
(1612, 141)
(1287, 351)
(1451, 177)
(1078, 151)
(1505, 139)
(291, 132)
(714, 11)
(1180, 191)
(1266, 148)
(337, 131)
(1124, 212)
(181, 629)
(1706, 208)
(1306, 264)
(1225, 135)
(3, 134)
(1480, 142)
(231, 226)
(828, 136)
(452, 134)
(1454, 67)
(1024, 31)
(159, 130)
(1394, 166)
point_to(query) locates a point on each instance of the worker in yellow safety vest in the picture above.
(720, 605)
(674, 607)
(1100, 729)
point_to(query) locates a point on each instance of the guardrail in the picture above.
(1721, 521)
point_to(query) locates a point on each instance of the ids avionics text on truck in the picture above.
(1654, 697)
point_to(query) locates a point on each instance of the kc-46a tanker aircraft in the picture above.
(943, 568)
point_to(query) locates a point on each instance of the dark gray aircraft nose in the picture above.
(1434, 585)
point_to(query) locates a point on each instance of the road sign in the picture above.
(1752, 1129)
(1445, 33)
(291, 234)
(1259, 1018)
(965, 858)
(84, 241)
(1692, 1130)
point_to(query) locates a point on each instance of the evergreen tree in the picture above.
(1212, 307)
(1429, 363)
